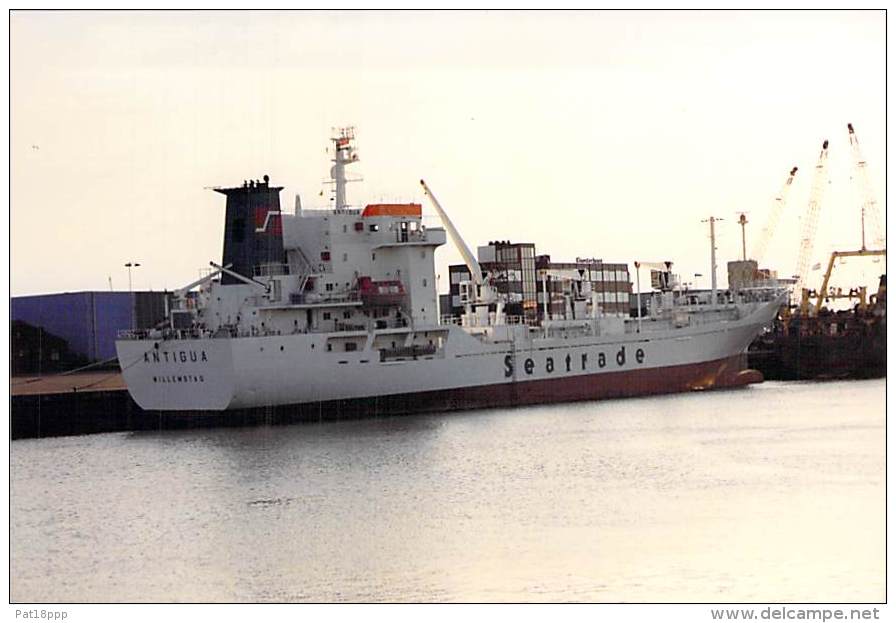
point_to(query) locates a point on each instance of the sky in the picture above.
(592, 134)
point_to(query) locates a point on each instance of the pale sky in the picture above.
(594, 134)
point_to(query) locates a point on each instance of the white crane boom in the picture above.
(181, 291)
(774, 216)
(469, 260)
(810, 219)
(869, 205)
(235, 275)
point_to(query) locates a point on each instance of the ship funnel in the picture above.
(253, 231)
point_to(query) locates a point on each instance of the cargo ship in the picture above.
(334, 312)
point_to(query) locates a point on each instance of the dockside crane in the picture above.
(774, 216)
(869, 205)
(810, 219)
(870, 213)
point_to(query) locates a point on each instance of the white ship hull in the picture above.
(215, 374)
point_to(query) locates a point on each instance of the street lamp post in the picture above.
(129, 266)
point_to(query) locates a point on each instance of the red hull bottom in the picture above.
(721, 373)
(730, 372)
(76, 413)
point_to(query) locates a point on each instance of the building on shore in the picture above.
(88, 322)
(534, 286)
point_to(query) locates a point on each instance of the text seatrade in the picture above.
(175, 356)
(567, 362)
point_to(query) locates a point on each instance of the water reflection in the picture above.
(722, 496)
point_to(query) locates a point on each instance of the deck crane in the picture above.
(810, 219)
(869, 205)
(665, 267)
(774, 216)
(478, 293)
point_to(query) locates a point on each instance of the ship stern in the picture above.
(178, 375)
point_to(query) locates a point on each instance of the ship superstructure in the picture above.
(336, 311)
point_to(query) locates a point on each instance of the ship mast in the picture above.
(344, 148)
(712, 255)
(742, 221)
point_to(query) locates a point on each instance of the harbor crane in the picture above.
(869, 205)
(868, 209)
(774, 216)
(810, 218)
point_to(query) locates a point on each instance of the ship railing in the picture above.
(194, 333)
(314, 298)
(520, 320)
(350, 326)
(270, 270)
(410, 235)
(456, 320)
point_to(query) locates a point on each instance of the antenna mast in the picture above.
(345, 153)
(712, 253)
(742, 221)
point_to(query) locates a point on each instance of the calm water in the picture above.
(770, 493)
